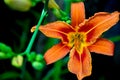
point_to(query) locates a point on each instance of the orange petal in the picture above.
(75, 64)
(80, 64)
(86, 63)
(99, 23)
(77, 13)
(56, 29)
(56, 52)
(102, 46)
(33, 29)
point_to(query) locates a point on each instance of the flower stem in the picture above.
(28, 49)
(36, 31)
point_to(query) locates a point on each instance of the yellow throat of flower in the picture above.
(77, 40)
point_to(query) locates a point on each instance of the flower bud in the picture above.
(5, 48)
(37, 65)
(53, 4)
(6, 55)
(31, 56)
(39, 57)
(19, 5)
(2, 55)
(17, 61)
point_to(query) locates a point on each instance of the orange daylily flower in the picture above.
(80, 38)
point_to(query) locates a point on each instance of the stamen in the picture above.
(77, 39)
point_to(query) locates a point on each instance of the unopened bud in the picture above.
(17, 61)
(19, 5)
(2, 55)
(37, 65)
(39, 57)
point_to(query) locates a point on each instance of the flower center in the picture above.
(77, 40)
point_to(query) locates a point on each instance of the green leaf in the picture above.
(9, 75)
(27, 76)
(115, 39)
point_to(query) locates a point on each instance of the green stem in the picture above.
(35, 33)
(67, 7)
(28, 49)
